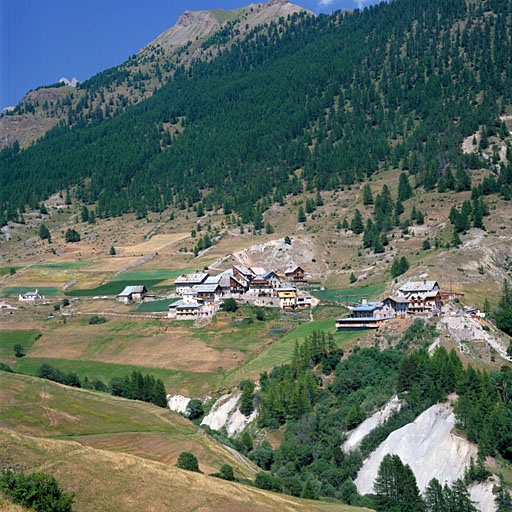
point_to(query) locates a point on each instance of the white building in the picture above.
(31, 297)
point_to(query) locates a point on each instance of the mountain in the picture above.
(406, 81)
(196, 35)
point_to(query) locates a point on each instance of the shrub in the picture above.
(95, 319)
(194, 409)
(19, 350)
(188, 461)
(229, 305)
(38, 491)
(226, 472)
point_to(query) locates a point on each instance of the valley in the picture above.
(264, 264)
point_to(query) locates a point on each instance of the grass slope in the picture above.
(113, 482)
(13, 291)
(42, 408)
(195, 383)
(281, 351)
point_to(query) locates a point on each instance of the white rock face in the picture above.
(462, 328)
(178, 403)
(432, 451)
(355, 437)
(225, 413)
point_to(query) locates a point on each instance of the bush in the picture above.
(19, 350)
(226, 472)
(194, 409)
(229, 305)
(38, 491)
(72, 236)
(188, 461)
(95, 319)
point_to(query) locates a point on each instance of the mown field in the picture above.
(45, 409)
(108, 481)
(347, 294)
(155, 306)
(8, 339)
(14, 291)
(193, 383)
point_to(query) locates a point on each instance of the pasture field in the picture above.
(155, 306)
(281, 351)
(111, 288)
(350, 294)
(108, 481)
(195, 384)
(43, 408)
(62, 265)
(10, 338)
(14, 291)
(150, 274)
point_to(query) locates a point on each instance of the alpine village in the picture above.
(265, 264)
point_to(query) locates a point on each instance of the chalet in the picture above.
(237, 285)
(260, 286)
(186, 282)
(207, 293)
(132, 294)
(272, 278)
(180, 309)
(242, 273)
(368, 315)
(257, 271)
(357, 324)
(418, 287)
(31, 297)
(287, 297)
(450, 295)
(304, 300)
(294, 273)
(398, 305)
(424, 303)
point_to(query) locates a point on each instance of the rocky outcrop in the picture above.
(178, 403)
(432, 450)
(355, 437)
(226, 414)
(468, 329)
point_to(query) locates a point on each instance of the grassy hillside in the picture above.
(113, 482)
(120, 455)
(46, 409)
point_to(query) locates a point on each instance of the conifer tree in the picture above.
(404, 188)
(367, 194)
(301, 216)
(357, 223)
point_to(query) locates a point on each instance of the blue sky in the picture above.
(44, 40)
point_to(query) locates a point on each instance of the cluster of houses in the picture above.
(414, 298)
(202, 294)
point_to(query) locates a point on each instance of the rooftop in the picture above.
(417, 286)
(128, 290)
(196, 278)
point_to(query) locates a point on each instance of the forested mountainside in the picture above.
(198, 35)
(398, 85)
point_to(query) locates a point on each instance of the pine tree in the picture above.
(357, 223)
(301, 216)
(352, 278)
(308, 492)
(319, 201)
(404, 188)
(434, 497)
(404, 265)
(44, 233)
(85, 214)
(367, 194)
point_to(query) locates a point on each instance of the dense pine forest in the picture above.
(317, 410)
(397, 85)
